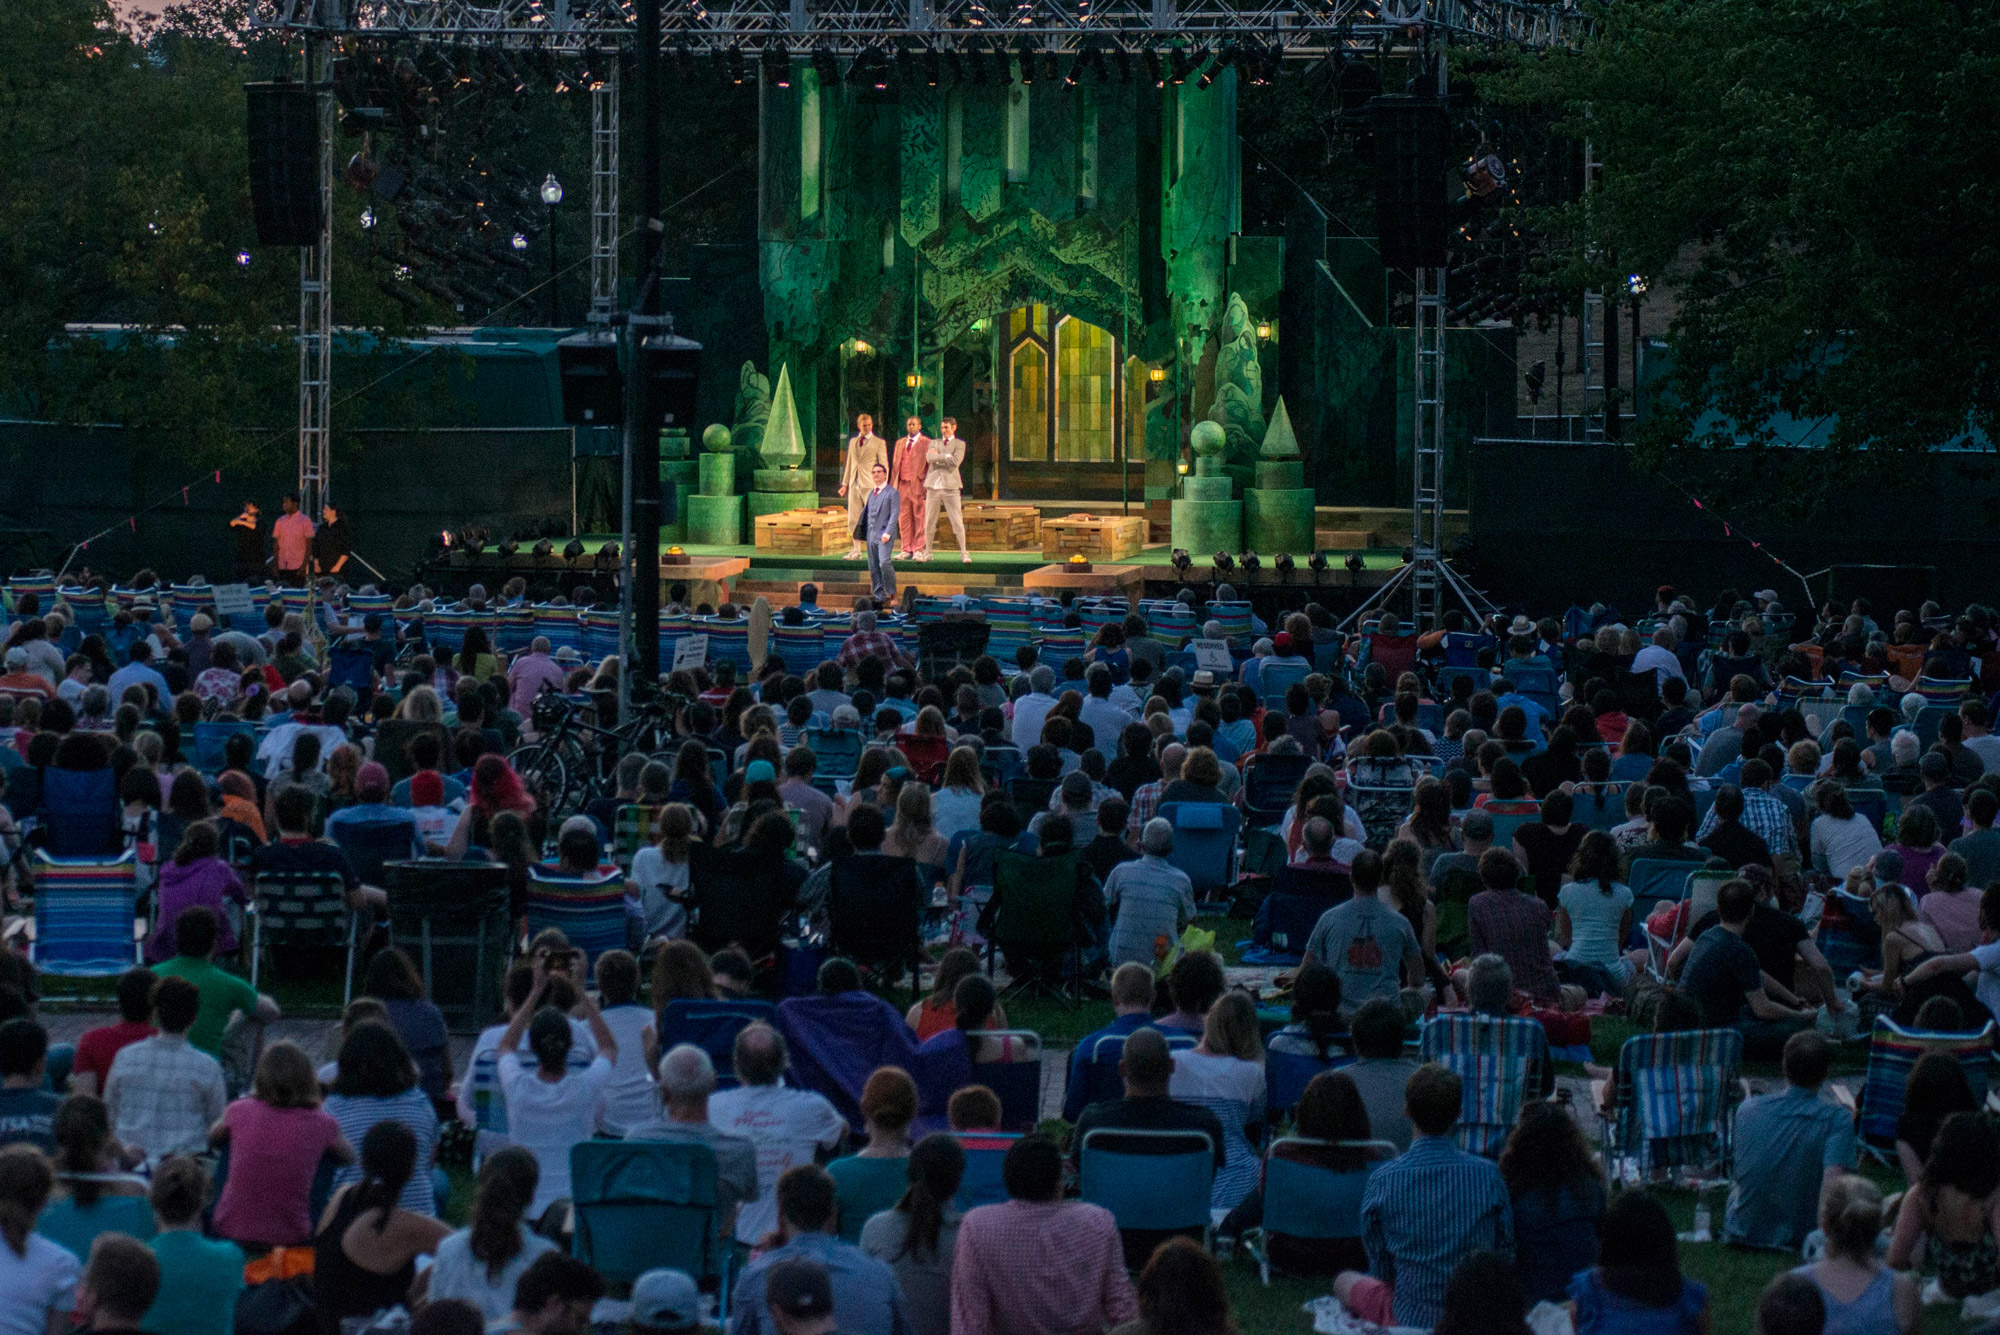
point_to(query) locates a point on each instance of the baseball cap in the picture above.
(427, 789)
(759, 769)
(799, 1288)
(1282, 641)
(17, 658)
(373, 778)
(666, 1300)
(1477, 823)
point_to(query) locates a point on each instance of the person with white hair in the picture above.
(1861, 695)
(686, 1079)
(1031, 711)
(1148, 897)
(530, 673)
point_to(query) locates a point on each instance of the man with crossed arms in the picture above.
(942, 485)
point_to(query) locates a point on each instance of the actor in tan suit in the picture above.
(865, 449)
(942, 485)
(906, 475)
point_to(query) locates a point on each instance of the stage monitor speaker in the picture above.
(284, 163)
(593, 388)
(1411, 220)
(674, 363)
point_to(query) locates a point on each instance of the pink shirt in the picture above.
(273, 1154)
(530, 673)
(292, 536)
(1056, 1267)
(1955, 916)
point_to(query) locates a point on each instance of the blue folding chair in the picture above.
(985, 1153)
(80, 813)
(1018, 1083)
(1286, 1075)
(836, 751)
(712, 1026)
(1269, 783)
(370, 843)
(1275, 676)
(1655, 881)
(1204, 842)
(212, 739)
(1872, 803)
(1165, 1189)
(1101, 1073)
(354, 668)
(647, 1205)
(1303, 1200)
(1504, 826)
(84, 915)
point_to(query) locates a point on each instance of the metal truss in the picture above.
(316, 309)
(763, 29)
(604, 198)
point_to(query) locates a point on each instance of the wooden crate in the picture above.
(803, 532)
(1106, 537)
(992, 528)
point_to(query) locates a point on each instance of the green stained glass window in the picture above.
(1028, 403)
(1086, 394)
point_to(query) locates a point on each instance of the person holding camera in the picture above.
(550, 1106)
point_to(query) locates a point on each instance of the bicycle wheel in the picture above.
(544, 773)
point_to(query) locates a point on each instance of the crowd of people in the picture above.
(1400, 759)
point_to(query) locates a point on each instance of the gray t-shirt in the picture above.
(735, 1159)
(1381, 1081)
(925, 1279)
(1365, 942)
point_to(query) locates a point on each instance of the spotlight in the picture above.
(1183, 563)
(1224, 563)
(1409, 555)
(1207, 67)
(1026, 51)
(826, 67)
(508, 547)
(736, 67)
(1355, 565)
(1318, 563)
(573, 549)
(933, 69)
(779, 62)
(1153, 70)
(1251, 561)
(546, 547)
(1177, 67)
(1285, 567)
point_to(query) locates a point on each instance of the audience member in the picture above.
(865, 1295)
(789, 1127)
(200, 1278)
(163, 1092)
(686, 1082)
(1037, 1262)
(1788, 1146)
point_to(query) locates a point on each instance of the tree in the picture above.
(1816, 184)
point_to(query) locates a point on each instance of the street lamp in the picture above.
(552, 195)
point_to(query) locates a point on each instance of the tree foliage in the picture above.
(1816, 185)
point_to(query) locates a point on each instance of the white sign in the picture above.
(690, 651)
(1213, 656)
(234, 600)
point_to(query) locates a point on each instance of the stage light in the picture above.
(1181, 468)
(1251, 561)
(1224, 563)
(779, 62)
(519, 242)
(1153, 70)
(1318, 563)
(545, 547)
(1636, 285)
(552, 191)
(826, 67)
(933, 68)
(1177, 68)
(1409, 555)
(1026, 63)
(573, 549)
(508, 547)
(1355, 565)
(1157, 374)
(1207, 68)
(1183, 563)
(1285, 566)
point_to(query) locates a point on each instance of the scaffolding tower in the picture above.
(316, 302)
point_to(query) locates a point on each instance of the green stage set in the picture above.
(1061, 267)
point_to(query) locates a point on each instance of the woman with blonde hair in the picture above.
(914, 835)
(660, 870)
(41, 1276)
(955, 805)
(1225, 1074)
(421, 705)
(1907, 941)
(1862, 1295)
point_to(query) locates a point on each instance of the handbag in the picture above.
(277, 1307)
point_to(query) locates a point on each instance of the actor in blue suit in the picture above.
(881, 515)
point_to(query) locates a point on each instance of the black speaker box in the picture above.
(284, 163)
(1411, 222)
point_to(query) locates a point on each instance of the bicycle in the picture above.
(571, 762)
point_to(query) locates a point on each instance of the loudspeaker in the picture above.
(593, 388)
(674, 363)
(284, 163)
(1411, 223)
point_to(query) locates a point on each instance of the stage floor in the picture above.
(945, 560)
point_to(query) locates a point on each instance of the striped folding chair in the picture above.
(833, 633)
(1010, 626)
(634, 831)
(673, 627)
(1173, 625)
(1892, 1052)
(1060, 645)
(802, 647)
(41, 583)
(445, 628)
(514, 628)
(85, 915)
(1098, 613)
(589, 910)
(295, 600)
(1235, 619)
(929, 609)
(727, 641)
(1942, 690)
(303, 911)
(600, 632)
(188, 599)
(87, 606)
(560, 624)
(1677, 1096)
(1500, 1060)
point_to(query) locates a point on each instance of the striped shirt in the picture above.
(1423, 1213)
(1151, 898)
(357, 1113)
(163, 1094)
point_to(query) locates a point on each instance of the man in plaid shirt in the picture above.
(1146, 797)
(867, 642)
(1763, 815)
(163, 1093)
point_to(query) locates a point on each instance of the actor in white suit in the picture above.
(865, 449)
(942, 485)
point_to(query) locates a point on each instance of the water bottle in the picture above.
(1702, 1220)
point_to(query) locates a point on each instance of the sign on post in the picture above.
(690, 651)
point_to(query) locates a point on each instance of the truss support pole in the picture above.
(604, 195)
(1595, 401)
(316, 303)
(1427, 453)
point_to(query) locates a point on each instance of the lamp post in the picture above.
(552, 195)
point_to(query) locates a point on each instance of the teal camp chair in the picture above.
(643, 1205)
(1302, 1200)
(1167, 1188)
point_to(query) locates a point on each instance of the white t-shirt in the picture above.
(787, 1126)
(1593, 920)
(457, 1274)
(32, 1286)
(629, 1098)
(582, 1047)
(657, 880)
(1197, 1075)
(548, 1118)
